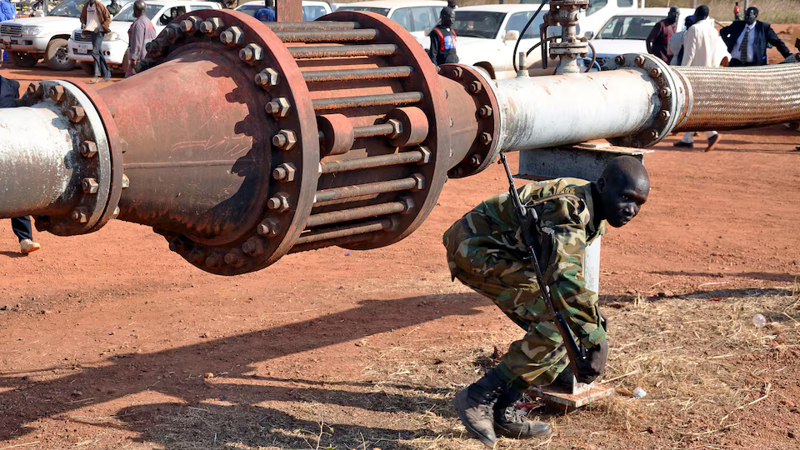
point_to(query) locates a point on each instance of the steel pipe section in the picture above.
(38, 161)
(563, 109)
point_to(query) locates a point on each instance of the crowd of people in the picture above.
(740, 44)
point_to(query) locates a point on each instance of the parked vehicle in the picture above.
(312, 10)
(115, 44)
(418, 17)
(627, 32)
(487, 34)
(30, 39)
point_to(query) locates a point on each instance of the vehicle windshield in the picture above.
(250, 9)
(381, 11)
(126, 15)
(69, 8)
(480, 24)
(629, 27)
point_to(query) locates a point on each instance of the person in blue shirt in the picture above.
(7, 12)
(267, 13)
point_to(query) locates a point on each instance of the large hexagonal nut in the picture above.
(233, 258)
(458, 72)
(173, 32)
(485, 111)
(190, 24)
(80, 215)
(213, 260)
(195, 256)
(88, 149)
(426, 155)
(279, 202)
(475, 87)
(419, 182)
(278, 107)
(397, 128)
(76, 114)
(486, 138)
(153, 47)
(269, 228)
(253, 246)
(409, 204)
(252, 54)
(267, 78)
(90, 185)
(211, 26)
(56, 93)
(284, 140)
(233, 36)
(284, 173)
(126, 182)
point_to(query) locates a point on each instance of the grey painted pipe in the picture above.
(564, 109)
(37, 161)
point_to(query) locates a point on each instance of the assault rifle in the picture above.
(527, 219)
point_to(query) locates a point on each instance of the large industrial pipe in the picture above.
(240, 148)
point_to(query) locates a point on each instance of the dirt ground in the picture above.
(110, 341)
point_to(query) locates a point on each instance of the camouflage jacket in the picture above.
(486, 243)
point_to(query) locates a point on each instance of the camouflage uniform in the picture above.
(484, 252)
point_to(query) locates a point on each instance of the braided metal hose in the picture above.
(728, 99)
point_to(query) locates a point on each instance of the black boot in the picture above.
(509, 423)
(474, 406)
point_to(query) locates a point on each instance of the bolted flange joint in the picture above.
(278, 107)
(284, 140)
(279, 202)
(88, 149)
(191, 24)
(76, 114)
(284, 173)
(212, 26)
(90, 185)
(267, 78)
(56, 93)
(233, 36)
(252, 54)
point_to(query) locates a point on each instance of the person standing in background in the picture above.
(736, 11)
(443, 39)
(96, 20)
(658, 39)
(140, 33)
(747, 41)
(267, 13)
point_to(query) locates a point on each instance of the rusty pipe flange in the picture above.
(424, 79)
(667, 100)
(484, 149)
(117, 149)
(287, 113)
(91, 159)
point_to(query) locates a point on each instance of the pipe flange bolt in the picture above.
(252, 54)
(233, 36)
(267, 78)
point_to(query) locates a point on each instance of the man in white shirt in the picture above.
(96, 19)
(702, 48)
(747, 41)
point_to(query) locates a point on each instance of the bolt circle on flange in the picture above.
(665, 83)
(287, 104)
(485, 146)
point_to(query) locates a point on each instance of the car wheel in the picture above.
(87, 68)
(23, 59)
(57, 55)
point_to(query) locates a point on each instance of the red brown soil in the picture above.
(97, 328)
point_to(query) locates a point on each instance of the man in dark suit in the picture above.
(747, 40)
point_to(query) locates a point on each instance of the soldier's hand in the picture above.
(595, 363)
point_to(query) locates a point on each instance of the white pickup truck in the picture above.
(30, 39)
(115, 43)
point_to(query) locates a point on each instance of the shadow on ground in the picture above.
(166, 372)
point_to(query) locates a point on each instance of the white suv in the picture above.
(115, 43)
(418, 17)
(32, 38)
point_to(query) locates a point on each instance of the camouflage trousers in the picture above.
(540, 355)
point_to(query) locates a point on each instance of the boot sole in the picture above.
(505, 432)
(461, 406)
